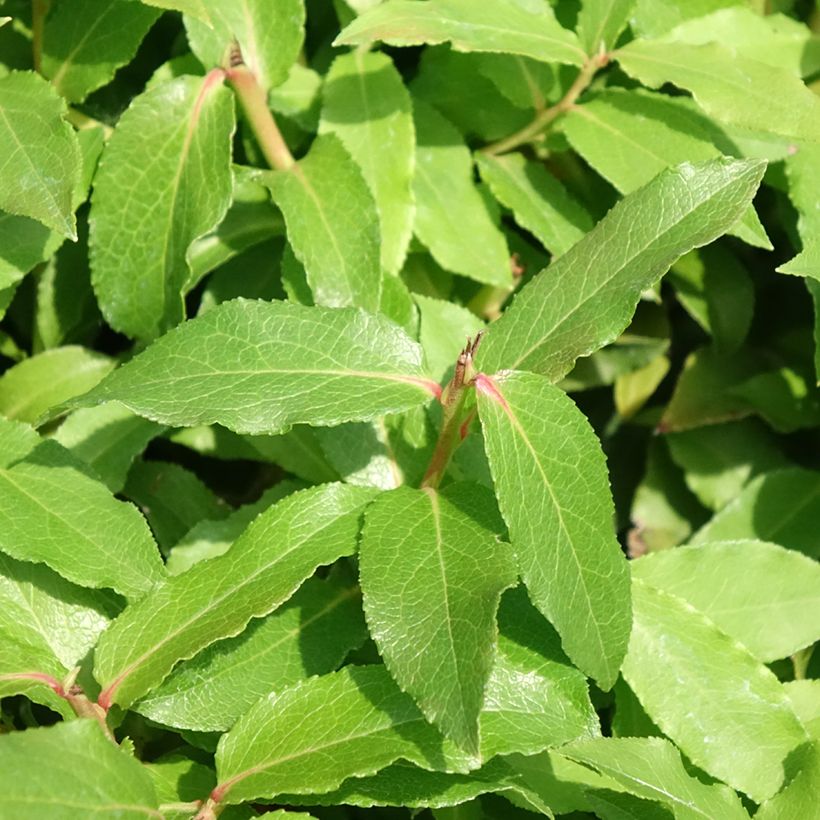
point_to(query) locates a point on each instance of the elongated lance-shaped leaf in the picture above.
(450, 212)
(269, 35)
(601, 21)
(724, 709)
(432, 572)
(586, 298)
(39, 153)
(164, 180)
(85, 43)
(382, 141)
(770, 605)
(550, 477)
(333, 225)
(259, 367)
(113, 783)
(217, 598)
(652, 768)
(312, 736)
(493, 25)
(731, 88)
(310, 635)
(539, 202)
(52, 512)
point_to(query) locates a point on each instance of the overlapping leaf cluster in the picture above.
(272, 537)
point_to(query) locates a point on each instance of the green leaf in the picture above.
(725, 711)
(802, 794)
(539, 202)
(806, 263)
(758, 593)
(551, 481)
(495, 26)
(736, 90)
(47, 625)
(197, 8)
(652, 18)
(30, 388)
(333, 225)
(310, 635)
(107, 438)
(629, 137)
(652, 768)
(450, 212)
(634, 389)
(52, 512)
(366, 105)
(179, 779)
(442, 330)
(432, 573)
(84, 45)
(41, 155)
(781, 507)
(600, 22)
(718, 460)
(350, 724)
(586, 298)
(805, 699)
(164, 180)
(72, 768)
(269, 36)
(522, 80)
(217, 598)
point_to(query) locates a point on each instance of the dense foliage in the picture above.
(409, 408)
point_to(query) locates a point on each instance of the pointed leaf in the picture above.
(781, 507)
(586, 298)
(432, 573)
(652, 768)
(367, 106)
(539, 202)
(164, 180)
(493, 25)
(333, 225)
(270, 35)
(310, 635)
(600, 22)
(113, 783)
(769, 603)
(312, 736)
(736, 90)
(259, 367)
(217, 598)
(725, 711)
(84, 44)
(551, 481)
(40, 162)
(52, 512)
(801, 796)
(450, 212)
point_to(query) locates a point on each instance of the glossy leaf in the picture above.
(312, 736)
(497, 26)
(114, 784)
(780, 507)
(333, 225)
(450, 212)
(601, 21)
(431, 589)
(586, 298)
(652, 768)
(153, 198)
(84, 45)
(559, 516)
(725, 711)
(48, 379)
(538, 201)
(41, 155)
(310, 635)
(264, 366)
(269, 35)
(217, 598)
(366, 105)
(728, 87)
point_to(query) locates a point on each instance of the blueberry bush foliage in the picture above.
(409, 408)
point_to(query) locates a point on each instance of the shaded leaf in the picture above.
(601, 21)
